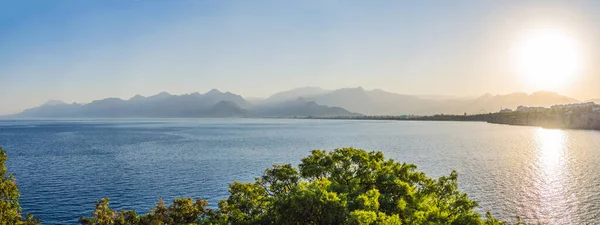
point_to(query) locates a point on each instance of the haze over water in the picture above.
(81, 51)
(64, 166)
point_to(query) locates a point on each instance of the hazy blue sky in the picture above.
(81, 50)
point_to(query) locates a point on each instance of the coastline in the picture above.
(557, 119)
(580, 120)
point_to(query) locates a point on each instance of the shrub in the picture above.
(344, 186)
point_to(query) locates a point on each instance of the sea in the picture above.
(63, 167)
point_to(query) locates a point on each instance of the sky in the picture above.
(79, 51)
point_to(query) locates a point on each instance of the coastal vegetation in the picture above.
(569, 117)
(587, 117)
(10, 210)
(343, 186)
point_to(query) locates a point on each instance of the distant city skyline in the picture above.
(79, 51)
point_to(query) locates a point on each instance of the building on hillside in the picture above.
(529, 109)
(574, 105)
(506, 110)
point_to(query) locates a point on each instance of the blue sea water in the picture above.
(64, 166)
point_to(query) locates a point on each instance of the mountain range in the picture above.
(380, 102)
(211, 104)
(299, 102)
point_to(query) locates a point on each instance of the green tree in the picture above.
(10, 210)
(350, 186)
(103, 215)
(343, 186)
(182, 211)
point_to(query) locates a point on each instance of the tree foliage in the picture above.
(344, 186)
(10, 210)
(182, 211)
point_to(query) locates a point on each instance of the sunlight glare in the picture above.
(552, 171)
(548, 58)
(551, 144)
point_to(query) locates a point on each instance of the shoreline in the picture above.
(547, 119)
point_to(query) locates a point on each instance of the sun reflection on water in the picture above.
(552, 172)
(551, 145)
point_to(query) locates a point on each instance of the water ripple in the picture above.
(64, 167)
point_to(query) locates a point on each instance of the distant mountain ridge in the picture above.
(54, 102)
(380, 102)
(299, 102)
(299, 108)
(211, 104)
(302, 92)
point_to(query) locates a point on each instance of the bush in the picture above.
(10, 210)
(344, 186)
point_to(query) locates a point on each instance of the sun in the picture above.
(548, 58)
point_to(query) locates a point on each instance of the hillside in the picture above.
(299, 108)
(307, 101)
(380, 102)
(211, 104)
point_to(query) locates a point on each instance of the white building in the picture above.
(574, 105)
(529, 109)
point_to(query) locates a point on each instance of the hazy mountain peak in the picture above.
(111, 99)
(162, 94)
(295, 93)
(54, 102)
(596, 100)
(137, 97)
(552, 97)
(359, 88)
(213, 92)
(351, 89)
(544, 93)
(485, 97)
